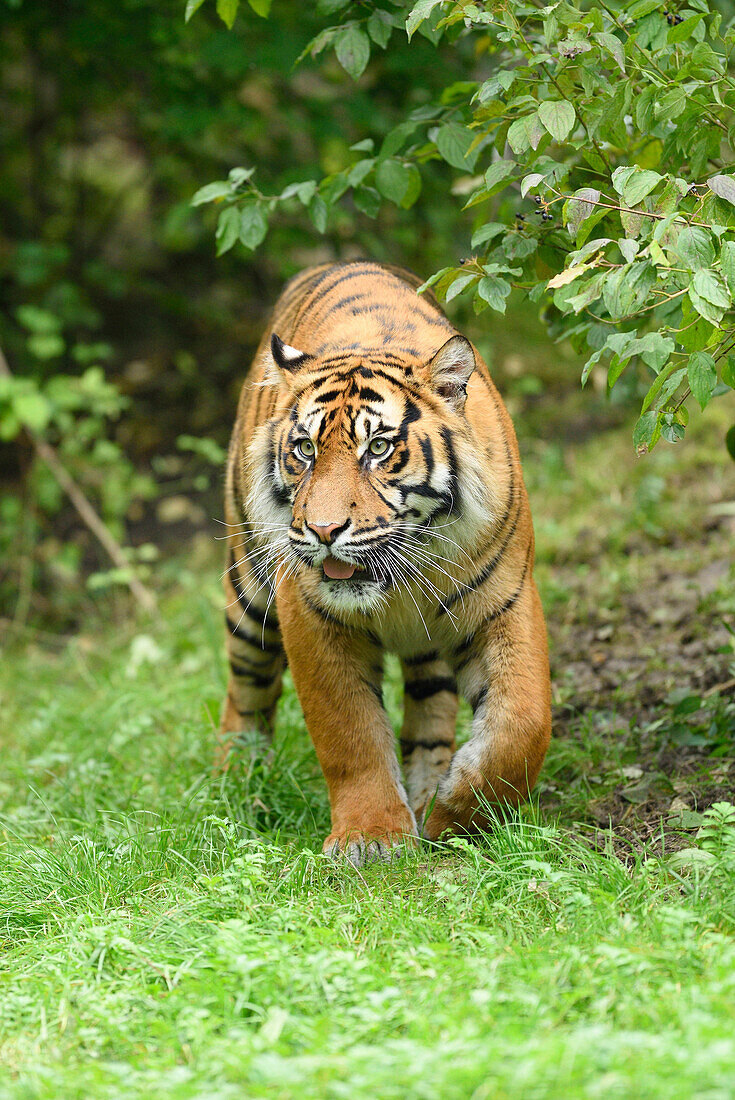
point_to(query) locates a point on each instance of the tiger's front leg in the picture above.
(429, 722)
(503, 671)
(337, 674)
(255, 656)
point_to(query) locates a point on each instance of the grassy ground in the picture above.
(166, 933)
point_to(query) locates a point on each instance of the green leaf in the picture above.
(395, 139)
(494, 291)
(654, 349)
(367, 199)
(498, 172)
(459, 285)
(261, 7)
(46, 345)
(558, 117)
(227, 10)
(723, 187)
(639, 184)
(621, 176)
(228, 229)
(33, 410)
(380, 28)
(708, 284)
(453, 142)
(613, 46)
(391, 179)
(318, 213)
(730, 442)
(702, 376)
(657, 385)
(218, 190)
(525, 133)
(580, 207)
(694, 247)
(191, 7)
(352, 47)
(487, 233)
(629, 249)
(530, 181)
(304, 192)
(644, 431)
(627, 289)
(414, 186)
(728, 372)
(727, 260)
(682, 31)
(587, 292)
(643, 7)
(38, 320)
(419, 13)
(708, 295)
(696, 332)
(253, 226)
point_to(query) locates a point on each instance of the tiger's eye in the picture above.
(378, 447)
(305, 448)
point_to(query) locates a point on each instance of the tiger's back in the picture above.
(377, 504)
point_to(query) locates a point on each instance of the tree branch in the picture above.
(96, 525)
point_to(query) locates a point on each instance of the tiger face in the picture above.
(366, 471)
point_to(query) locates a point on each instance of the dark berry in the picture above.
(521, 217)
(670, 20)
(537, 200)
(678, 19)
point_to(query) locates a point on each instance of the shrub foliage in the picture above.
(592, 148)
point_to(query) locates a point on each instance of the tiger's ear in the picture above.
(287, 359)
(450, 370)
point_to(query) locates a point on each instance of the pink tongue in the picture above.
(337, 570)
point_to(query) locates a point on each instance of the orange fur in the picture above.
(369, 437)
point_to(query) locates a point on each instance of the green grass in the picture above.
(165, 933)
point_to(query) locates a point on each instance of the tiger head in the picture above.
(367, 474)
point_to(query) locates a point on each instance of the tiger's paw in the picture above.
(435, 820)
(359, 848)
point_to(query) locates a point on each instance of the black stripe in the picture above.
(313, 292)
(428, 452)
(327, 396)
(424, 689)
(244, 673)
(479, 699)
(453, 489)
(375, 689)
(320, 611)
(469, 641)
(407, 747)
(364, 269)
(366, 393)
(489, 569)
(344, 302)
(421, 658)
(238, 631)
(261, 618)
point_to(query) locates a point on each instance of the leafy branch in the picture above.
(563, 108)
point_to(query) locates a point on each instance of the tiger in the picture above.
(375, 505)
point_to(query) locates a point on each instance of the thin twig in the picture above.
(101, 532)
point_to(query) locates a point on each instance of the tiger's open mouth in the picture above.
(337, 570)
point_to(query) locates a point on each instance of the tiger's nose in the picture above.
(326, 532)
